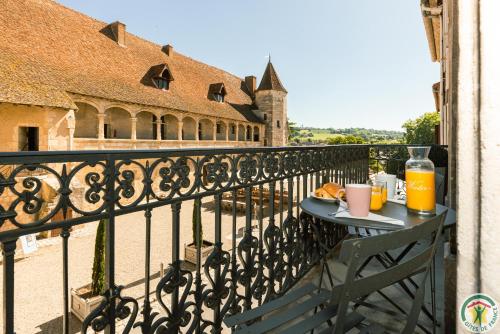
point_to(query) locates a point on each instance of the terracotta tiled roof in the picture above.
(270, 80)
(48, 50)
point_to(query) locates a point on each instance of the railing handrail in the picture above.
(70, 156)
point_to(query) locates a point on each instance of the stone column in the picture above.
(133, 122)
(236, 133)
(197, 131)
(214, 132)
(227, 132)
(251, 134)
(100, 127)
(179, 130)
(158, 128)
(70, 120)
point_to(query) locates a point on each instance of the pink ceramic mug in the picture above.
(358, 199)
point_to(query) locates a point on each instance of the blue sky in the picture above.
(360, 63)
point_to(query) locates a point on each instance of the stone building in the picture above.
(70, 82)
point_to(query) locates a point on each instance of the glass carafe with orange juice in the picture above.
(420, 187)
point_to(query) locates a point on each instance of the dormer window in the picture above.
(219, 97)
(163, 81)
(217, 92)
(160, 76)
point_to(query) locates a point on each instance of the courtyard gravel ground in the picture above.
(38, 276)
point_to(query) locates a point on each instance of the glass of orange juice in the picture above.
(384, 191)
(376, 201)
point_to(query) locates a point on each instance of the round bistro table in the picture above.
(325, 212)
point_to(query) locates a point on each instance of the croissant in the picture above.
(320, 192)
(333, 189)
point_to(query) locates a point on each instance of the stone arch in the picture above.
(170, 127)
(256, 133)
(146, 125)
(232, 131)
(112, 105)
(205, 129)
(188, 128)
(241, 132)
(117, 123)
(220, 130)
(86, 121)
(96, 105)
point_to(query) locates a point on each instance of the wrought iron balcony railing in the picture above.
(266, 262)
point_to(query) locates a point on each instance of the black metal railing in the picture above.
(277, 246)
(266, 262)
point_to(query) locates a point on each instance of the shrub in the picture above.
(98, 269)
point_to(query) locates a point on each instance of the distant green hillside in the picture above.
(315, 135)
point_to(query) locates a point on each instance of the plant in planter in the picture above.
(206, 246)
(86, 298)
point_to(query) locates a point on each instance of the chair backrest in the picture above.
(356, 251)
(439, 181)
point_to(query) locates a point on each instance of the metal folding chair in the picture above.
(336, 314)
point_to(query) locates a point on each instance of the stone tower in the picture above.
(270, 98)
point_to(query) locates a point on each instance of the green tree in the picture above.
(98, 269)
(422, 129)
(293, 130)
(349, 139)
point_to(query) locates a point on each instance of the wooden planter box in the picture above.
(190, 251)
(81, 304)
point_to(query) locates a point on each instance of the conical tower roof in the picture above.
(270, 80)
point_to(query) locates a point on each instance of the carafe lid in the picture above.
(419, 152)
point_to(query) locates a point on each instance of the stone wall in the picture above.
(477, 152)
(87, 121)
(51, 122)
(126, 144)
(145, 125)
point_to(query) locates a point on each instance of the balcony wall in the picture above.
(146, 144)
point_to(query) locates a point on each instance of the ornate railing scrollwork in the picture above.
(271, 245)
(99, 319)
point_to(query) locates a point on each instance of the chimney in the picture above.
(168, 49)
(251, 82)
(119, 31)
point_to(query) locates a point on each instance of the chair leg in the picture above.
(433, 294)
(405, 287)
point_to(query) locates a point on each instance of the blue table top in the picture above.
(323, 210)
